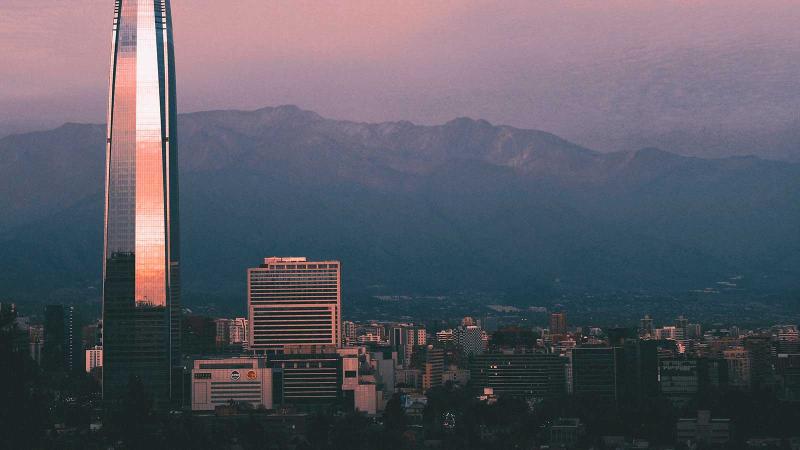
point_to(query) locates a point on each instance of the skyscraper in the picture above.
(292, 301)
(141, 288)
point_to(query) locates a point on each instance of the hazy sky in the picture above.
(594, 71)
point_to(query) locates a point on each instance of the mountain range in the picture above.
(466, 205)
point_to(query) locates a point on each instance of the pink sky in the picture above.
(554, 65)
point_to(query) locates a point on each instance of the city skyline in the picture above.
(505, 288)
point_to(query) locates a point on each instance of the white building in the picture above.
(293, 301)
(216, 382)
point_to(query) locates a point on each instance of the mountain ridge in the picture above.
(461, 205)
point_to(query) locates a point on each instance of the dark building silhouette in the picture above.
(594, 372)
(760, 353)
(520, 374)
(306, 375)
(558, 323)
(62, 340)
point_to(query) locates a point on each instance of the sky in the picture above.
(608, 74)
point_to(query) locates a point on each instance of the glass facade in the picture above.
(141, 288)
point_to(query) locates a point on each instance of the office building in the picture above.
(307, 375)
(679, 380)
(432, 362)
(535, 375)
(349, 332)
(566, 432)
(445, 336)
(703, 430)
(636, 368)
(62, 343)
(594, 372)
(469, 339)
(738, 361)
(788, 339)
(558, 324)
(217, 382)
(36, 342)
(141, 287)
(238, 332)
(293, 301)
(787, 366)
(404, 338)
(760, 352)
(681, 326)
(646, 326)
(360, 393)
(383, 363)
(94, 358)
(223, 334)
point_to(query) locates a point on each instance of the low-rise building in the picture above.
(217, 382)
(704, 430)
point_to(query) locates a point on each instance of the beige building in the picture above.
(293, 301)
(216, 382)
(94, 358)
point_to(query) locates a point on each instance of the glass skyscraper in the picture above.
(141, 287)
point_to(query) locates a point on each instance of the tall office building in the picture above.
(141, 308)
(292, 301)
(62, 343)
(558, 323)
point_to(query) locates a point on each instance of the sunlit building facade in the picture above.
(293, 301)
(141, 288)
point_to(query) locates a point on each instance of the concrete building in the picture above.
(535, 375)
(293, 301)
(349, 332)
(360, 392)
(679, 380)
(404, 338)
(566, 432)
(238, 332)
(455, 375)
(558, 324)
(383, 364)
(703, 430)
(469, 339)
(307, 375)
(61, 348)
(594, 372)
(646, 326)
(223, 335)
(445, 336)
(432, 359)
(94, 358)
(368, 338)
(760, 353)
(217, 382)
(738, 360)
